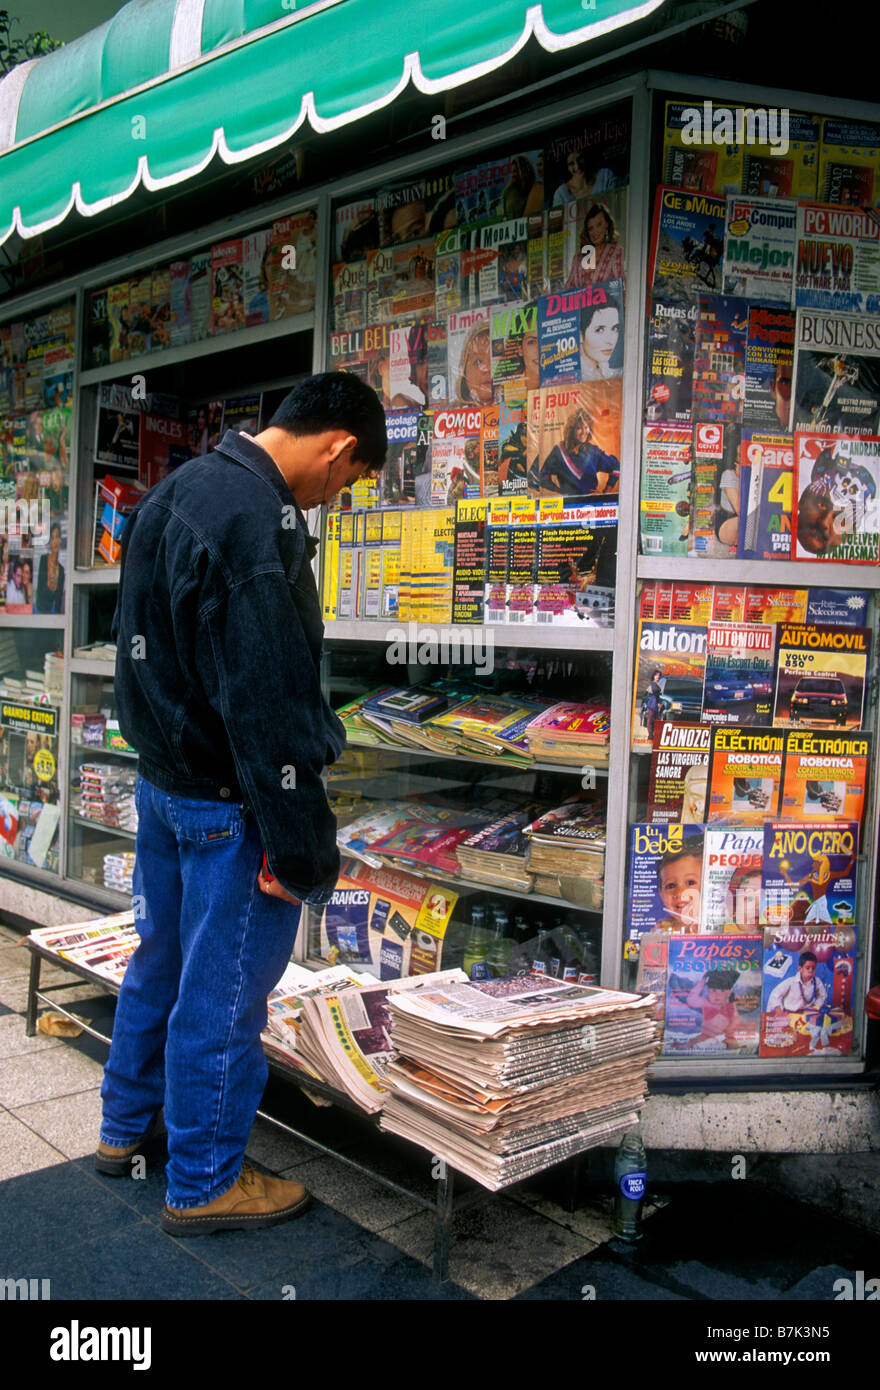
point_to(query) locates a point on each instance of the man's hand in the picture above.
(270, 885)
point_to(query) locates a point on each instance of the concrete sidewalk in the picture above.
(99, 1238)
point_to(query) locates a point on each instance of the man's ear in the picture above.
(341, 445)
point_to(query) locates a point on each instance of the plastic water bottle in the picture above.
(499, 946)
(476, 963)
(630, 1177)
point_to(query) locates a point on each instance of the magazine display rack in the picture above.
(549, 638)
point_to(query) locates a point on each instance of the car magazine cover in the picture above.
(585, 241)
(665, 493)
(687, 243)
(738, 682)
(679, 773)
(849, 162)
(720, 359)
(769, 361)
(666, 878)
(820, 676)
(573, 438)
(715, 494)
(826, 775)
(670, 667)
(746, 775)
(514, 345)
(731, 894)
(580, 334)
(836, 510)
(766, 475)
(836, 373)
(671, 333)
(713, 995)
(576, 563)
(759, 249)
(807, 1003)
(808, 874)
(838, 259)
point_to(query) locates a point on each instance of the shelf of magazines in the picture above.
(169, 357)
(753, 814)
(101, 814)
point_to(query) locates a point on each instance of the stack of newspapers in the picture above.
(503, 1078)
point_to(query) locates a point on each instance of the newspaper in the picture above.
(489, 1008)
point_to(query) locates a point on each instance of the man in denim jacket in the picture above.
(219, 636)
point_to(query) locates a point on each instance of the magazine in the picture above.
(591, 150)
(671, 335)
(227, 289)
(356, 229)
(576, 551)
(376, 272)
(836, 373)
(836, 509)
(666, 489)
(573, 438)
(766, 475)
(505, 260)
(715, 494)
(744, 784)
(679, 773)
(388, 920)
(713, 995)
(665, 878)
(808, 874)
(687, 243)
(469, 574)
(408, 366)
(349, 288)
(849, 162)
(759, 249)
(414, 279)
(820, 676)
(700, 165)
(586, 240)
(738, 683)
(731, 894)
(580, 334)
(255, 280)
(825, 775)
(455, 455)
(670, 669)
(720, 359)
(769, 360)
(838, 259)
(450, 284)
(807, 1007)
(469, 356)
(514, 339)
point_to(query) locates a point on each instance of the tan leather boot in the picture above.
(255, 1200)
(116, 1162)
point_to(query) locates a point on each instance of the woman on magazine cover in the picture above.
(600, 335)
(599, 232)
(50, 576)
(576, 466)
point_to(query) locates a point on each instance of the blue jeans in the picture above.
(193, 1001)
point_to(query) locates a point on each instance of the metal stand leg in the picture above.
(574, 1173)
(443, 1224)
(30, 1024)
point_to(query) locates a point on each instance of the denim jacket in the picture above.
(219, 633)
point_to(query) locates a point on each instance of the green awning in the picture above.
(154, 94)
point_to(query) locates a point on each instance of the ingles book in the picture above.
(820, 676)
(731, 896)
(808, 874)
(713, 995)
(826, 774)
(807, 1007)
(679, 773)
(746, 775)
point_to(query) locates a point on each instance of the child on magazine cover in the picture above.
(713, 997)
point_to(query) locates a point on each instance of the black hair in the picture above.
(337, 401)
(806, 956)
